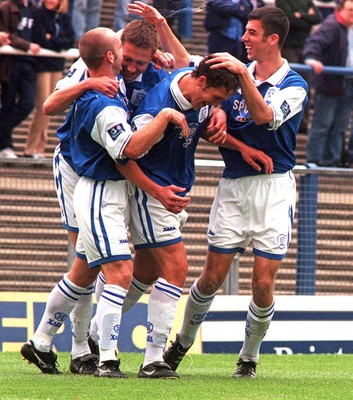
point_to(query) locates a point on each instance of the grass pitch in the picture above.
(203, 377)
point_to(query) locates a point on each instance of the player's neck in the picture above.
(185, 86)
(102, 71)
(267, 67)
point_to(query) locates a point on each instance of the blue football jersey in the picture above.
(171, 160)
(99, 134)
(137, 89)
(286, 93)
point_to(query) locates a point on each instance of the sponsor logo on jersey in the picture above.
(242, 112)
(122, 241)
(117, 328)
(210, 233)
(192, 132)
(285, 109)
(115, 131)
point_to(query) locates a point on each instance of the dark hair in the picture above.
(341, 4)
(274, 21)
(216, 77)
(142, 34)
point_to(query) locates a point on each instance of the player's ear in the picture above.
(110, 56)
(202, 81)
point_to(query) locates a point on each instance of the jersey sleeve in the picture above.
(286, 103)
(141, 120)
(112, 131)
(73, 76)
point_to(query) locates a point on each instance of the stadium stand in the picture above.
(34, 246)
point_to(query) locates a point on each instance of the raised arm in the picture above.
(169, 42)
(260, 111)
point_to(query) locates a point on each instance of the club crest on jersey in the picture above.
(203, 114)
(115, 131)
(282, 241)
(137, 96)
(271, 91)
(285, 109)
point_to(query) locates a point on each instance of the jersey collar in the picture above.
(176, 93)
(274, 79)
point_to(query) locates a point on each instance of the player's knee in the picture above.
(208, 284)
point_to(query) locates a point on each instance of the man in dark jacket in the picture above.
(334, 93)
(302, 15)
(225, 21)
(17, 76)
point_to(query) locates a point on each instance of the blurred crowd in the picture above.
(321, 34)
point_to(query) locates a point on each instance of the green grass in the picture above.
(203, 377)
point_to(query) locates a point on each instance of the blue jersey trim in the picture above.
(160, 244)
(70, 228)
(219, 250)
(81, 256)
(270, 256)
(106, 260)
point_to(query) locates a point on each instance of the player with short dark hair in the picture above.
(251, 205)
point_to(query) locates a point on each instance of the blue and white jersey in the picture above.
(286, 93)
(73, 76)
(171, 160)
(64, 131)
(99, 134)
(137, 89)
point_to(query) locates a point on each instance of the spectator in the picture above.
(171, 11)
(326, 7)
(121, 15)
(85, 16)
(334, 93)
(348, 156)
(302, 15)
(224, 22)
(52, 30)
(4, 38)
(17, 75)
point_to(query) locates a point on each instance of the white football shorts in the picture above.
(102, 211)
(151, 224)
(65, 179)
(258, 209)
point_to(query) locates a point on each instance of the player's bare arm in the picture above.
(260, 111)
(166, 195)
(217, 127)
(61, 99)
(169, 42)
(144, 138)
